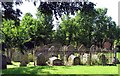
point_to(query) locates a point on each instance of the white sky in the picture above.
(111, 5)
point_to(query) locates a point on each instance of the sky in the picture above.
(111, 5)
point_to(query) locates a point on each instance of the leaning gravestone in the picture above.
(82, 48)
(70, 50)
(93, 49)
(73, 60)
(40, 60)
(52, 51)
(3, 62)
(57, 47)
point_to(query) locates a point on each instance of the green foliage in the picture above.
(44, 27)
(83, 28)
(30, 32)
(86, 28)
(8, 32)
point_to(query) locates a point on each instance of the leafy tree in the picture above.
(10, 13)
(60, 8)
(44, 27)
(86, 28)
(104, 27)
(16, 36)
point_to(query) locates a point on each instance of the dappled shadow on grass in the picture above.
(26, 70)
(46, 71)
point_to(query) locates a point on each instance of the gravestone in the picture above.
(40, 60)
(55, 61)
(52, 51)
(70, 50)
(43, 50)
(73, 60)
(82, 48)
(3, 62)
(93, 48)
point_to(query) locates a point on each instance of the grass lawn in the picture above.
(38, 70)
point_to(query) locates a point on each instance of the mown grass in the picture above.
(38, 70)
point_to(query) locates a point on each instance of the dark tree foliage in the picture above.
(10, 13)
(59, 8)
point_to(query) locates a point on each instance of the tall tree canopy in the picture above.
(87, 25)
(86, 28)
(60, 8)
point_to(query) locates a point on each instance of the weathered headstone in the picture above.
(3, 63)
(93, 48)
(73, 60)
(70, 50)
(82, 48)
(52, 51)
(44, 51)
(40, 60)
